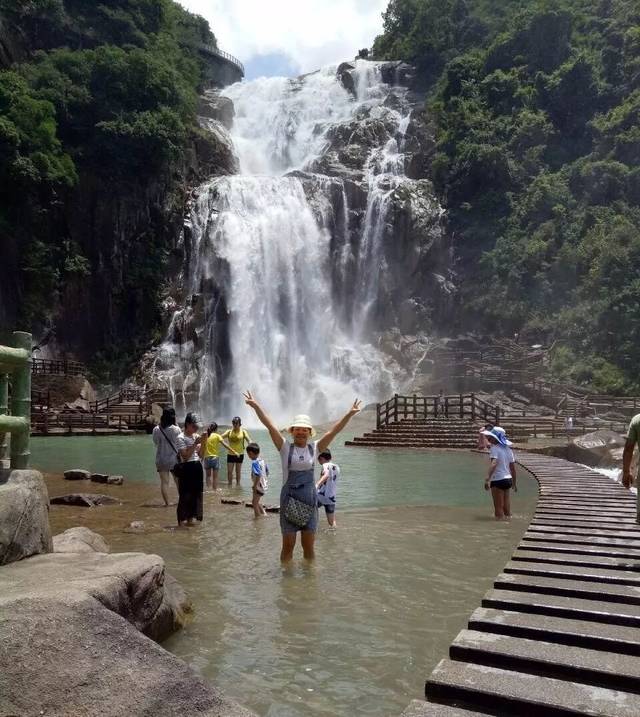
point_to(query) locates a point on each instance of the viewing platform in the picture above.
(559, 632)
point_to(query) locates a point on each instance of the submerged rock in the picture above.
(115, 480)
(99, 477)
(88, 500)
(24, 516)
(77, 474)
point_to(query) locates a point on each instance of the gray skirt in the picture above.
(300, 485)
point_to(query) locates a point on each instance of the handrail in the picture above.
(461, 405)
(15, 361)
(57, 367)
(213, 50)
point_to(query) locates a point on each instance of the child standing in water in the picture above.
(211, 458)
(502, 472)
(259, 478)
(327, 486)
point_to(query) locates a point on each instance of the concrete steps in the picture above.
(559, 632)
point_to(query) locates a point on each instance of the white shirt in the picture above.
(302, 459)
(166, 446)
(327, 491)
(185, 441)
(503, 455)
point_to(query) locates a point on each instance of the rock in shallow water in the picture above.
(82, 611)
(77, 474)
(115, 480)
(79, 540)
(88, 500)
(99, 477)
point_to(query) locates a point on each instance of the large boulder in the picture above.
(85, 612)
(596, 448)
(213, 105)
(24, 516)
(79, 540)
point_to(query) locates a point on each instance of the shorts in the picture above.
(504, 484)
(329, 508)
(235, 459)
(212, 463)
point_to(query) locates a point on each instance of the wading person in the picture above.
(190, 475)
(298, 497)
(238, 439)
(327, 486)
(211, 457)
(259, 478)
(502, 472)
(633, 439)
(165, 439)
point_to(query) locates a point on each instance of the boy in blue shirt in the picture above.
(259, 478)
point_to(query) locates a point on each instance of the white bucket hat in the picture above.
(302, 421)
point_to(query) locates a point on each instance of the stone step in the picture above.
(548, 659)
(574, 572)
(588, 560)
(619, 526)
(572, 608)
(517, 694)
(609, 551)
(613, 506)
(420, 708)
(568, 585)
(542, 528)
(568, 620)
(571, 539)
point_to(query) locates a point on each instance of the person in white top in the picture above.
(502, 472)
(327, 486)
(298, 497)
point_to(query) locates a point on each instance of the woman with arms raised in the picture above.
(298, 497)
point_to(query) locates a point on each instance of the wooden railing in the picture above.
(57, 367)
(400, 408)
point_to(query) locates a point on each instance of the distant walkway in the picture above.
(559, 633)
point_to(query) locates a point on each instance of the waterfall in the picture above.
(286, 257)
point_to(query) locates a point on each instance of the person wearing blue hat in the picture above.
(502, 472)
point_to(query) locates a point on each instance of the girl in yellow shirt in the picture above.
(238, 439)
(210, 457)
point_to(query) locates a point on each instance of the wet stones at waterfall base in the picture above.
(103, 478)
(79, 540)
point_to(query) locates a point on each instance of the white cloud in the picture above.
(312, 32)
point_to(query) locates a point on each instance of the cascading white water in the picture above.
(267, 238)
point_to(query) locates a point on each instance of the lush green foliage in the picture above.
(538, 115)
(106, 94)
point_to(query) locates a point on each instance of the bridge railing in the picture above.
(15, 417)
(400, 408)
(59, 367)
(213, 50)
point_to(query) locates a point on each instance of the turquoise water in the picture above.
(358, 631)
(370, 477)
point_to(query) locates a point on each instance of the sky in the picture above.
(291, 37)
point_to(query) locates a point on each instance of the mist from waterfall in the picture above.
(274, 240)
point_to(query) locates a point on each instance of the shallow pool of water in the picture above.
(358, 631)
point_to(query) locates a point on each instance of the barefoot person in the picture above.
(327, 486)
(238, 439)
(502, 472)
(298, 497)
(190, 479)
(165, 439)
(211, 458)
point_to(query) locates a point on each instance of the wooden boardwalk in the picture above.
(559, 633)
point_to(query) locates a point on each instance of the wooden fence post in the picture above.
(473, 406)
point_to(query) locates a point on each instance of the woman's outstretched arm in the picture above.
(275, 434)
(324, 442)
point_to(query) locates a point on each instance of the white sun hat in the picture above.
(302, 421)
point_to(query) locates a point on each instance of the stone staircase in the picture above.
(422, 433)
